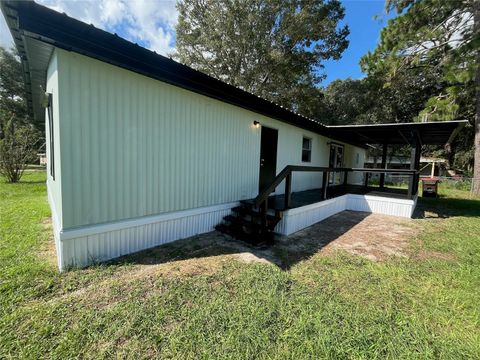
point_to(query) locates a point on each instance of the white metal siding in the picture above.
(133, 146)
(54, 186)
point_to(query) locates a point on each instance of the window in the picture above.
(306, 150)
(51, 136)
(357, 161)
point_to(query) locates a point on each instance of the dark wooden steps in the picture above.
(248, 224)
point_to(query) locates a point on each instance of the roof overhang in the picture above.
(35, 56)
(432, 133)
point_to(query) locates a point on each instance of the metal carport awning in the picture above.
(427, 133)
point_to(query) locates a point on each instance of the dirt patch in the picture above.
(372, 236)
(47, 249)
(376, 237)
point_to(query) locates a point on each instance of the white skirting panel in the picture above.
(381, 205)
(89, 244)
(299, 218)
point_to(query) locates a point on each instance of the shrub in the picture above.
(18, 147)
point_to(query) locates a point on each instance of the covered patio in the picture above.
(298, 210)
(413, 135)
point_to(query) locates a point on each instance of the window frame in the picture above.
(51, 134)
(307, 150)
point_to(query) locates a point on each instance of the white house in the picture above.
(143, 150)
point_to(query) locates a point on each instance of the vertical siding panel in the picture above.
(112, 158)
(128, 188)
(172, 150)
(121, 133)
(84, 185)
(161, 163)
(101, 154)
(150, 160)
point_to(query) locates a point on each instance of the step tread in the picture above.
(240, 220)
(253, 240)
(248, 202)
(252, 212)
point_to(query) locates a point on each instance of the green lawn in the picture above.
(337, 306)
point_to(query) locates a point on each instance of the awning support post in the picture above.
(414, 165)
(325, 184)
(384, 165)
(288, 191)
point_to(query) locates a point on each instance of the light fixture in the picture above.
(44, 98)
(256, 124)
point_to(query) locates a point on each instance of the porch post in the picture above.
(324, 184)
(384, 165)
(414, 165)
(288, 190)
(417, 166)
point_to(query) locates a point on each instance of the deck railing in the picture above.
(261, 201)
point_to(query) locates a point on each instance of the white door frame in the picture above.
(337, 161)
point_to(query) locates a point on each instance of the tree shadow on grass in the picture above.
(286, 251)
(445, 207)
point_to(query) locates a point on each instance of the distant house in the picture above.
(42, 158)
(143, 150)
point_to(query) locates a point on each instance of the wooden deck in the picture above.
(307, 197)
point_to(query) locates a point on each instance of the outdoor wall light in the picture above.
(256, 124)
(44, 98)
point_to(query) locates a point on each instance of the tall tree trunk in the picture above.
(450, 149)
(476, 166)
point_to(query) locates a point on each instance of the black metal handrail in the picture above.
(286, 174)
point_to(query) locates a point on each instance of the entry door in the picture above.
(335, 161)
(268, 156)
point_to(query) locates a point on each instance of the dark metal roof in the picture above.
(434, 133)
(37, 30)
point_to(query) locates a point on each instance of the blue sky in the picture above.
(364, 36)
(151, 23)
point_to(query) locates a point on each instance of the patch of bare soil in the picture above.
(373, 236)
(201, 255)
(47, 249)
(376, 237)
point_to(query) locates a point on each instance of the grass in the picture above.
(337, 306)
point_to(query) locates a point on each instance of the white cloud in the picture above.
(147, 22)
(6, 39)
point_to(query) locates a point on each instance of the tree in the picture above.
(476, 167)
(18, 137)
(12, 87)
(272, 48)
(372, 100)
(18, 147)
(437, 37)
